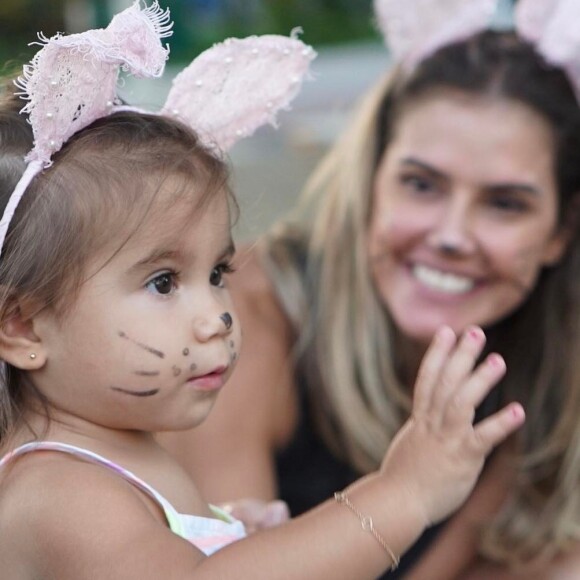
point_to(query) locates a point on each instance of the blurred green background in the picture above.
(197, 23)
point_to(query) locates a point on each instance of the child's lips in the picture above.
(211, 381)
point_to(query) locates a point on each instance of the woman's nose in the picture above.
(452, 234)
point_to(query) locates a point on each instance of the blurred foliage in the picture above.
(200, 23)
(197, 23)
(20, 20)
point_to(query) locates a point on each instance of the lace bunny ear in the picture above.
(554, 28)
(72, 80)
(136, 35)
(233, 88)
(414, 29)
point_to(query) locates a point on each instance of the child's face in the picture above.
(153, 335)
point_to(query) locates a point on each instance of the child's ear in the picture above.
(19, 344)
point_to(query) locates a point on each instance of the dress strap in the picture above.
(170, 512)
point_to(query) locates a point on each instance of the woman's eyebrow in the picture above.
(424, 166)
(513, 187)
(501, 187)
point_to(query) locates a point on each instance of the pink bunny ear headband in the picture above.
(415, 29)
(225, 94)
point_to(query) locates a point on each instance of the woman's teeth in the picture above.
(442, 281)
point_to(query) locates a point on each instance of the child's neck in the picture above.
(74, 430)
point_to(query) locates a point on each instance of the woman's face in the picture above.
(464, 212)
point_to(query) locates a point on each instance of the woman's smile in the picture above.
(441, 281)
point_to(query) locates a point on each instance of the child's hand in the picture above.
(439, 453)
(257, 514)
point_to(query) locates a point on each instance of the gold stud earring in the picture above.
(32, 355)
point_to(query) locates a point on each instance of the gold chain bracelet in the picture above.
(367, 526)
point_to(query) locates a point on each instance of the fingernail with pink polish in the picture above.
(517, 412)
(474, 333)
(495, 360)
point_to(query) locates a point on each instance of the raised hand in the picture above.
(439, 452)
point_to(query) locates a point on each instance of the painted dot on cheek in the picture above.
(176, 371)
(193, 367)
(232, 343)
(185, 351)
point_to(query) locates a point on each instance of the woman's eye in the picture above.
(508, 204)
(418, 184)
(216, 278)
(162, 284)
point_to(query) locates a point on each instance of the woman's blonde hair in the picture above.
(346, 342)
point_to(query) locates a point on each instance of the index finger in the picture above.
(430, 369)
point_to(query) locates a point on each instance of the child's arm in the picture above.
(428, 472)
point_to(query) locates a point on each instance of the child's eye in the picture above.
(217, 274)
(162, 284)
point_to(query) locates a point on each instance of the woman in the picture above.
(453, 199)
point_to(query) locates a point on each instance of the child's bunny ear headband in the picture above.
(225, 94)
(415, 29)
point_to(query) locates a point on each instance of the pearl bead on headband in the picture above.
(415, 29)
(225, 94)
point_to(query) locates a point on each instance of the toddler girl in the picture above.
(116, 322)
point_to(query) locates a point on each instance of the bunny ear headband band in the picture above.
(415, 29)
(224, 94)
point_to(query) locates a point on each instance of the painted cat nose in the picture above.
(227, 319)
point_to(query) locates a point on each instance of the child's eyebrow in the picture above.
(161, 255)
(156, 256)
(229, 250)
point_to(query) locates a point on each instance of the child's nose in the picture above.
(207, 327)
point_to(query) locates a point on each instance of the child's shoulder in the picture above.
(53, 506)
(47, 485)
